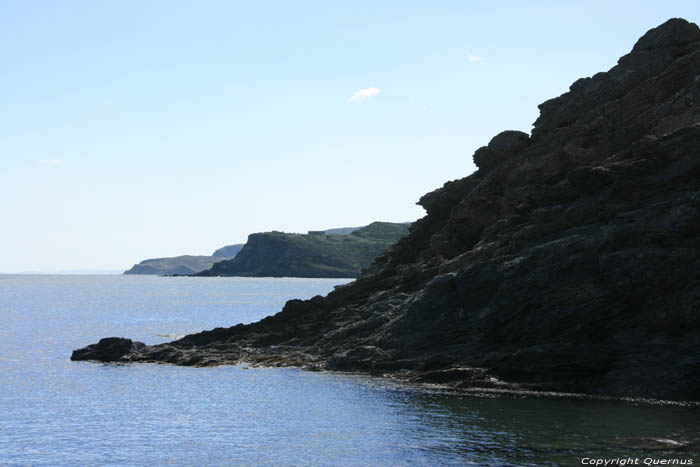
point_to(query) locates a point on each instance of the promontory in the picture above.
(569, 261)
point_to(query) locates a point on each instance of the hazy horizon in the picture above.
(134, 131)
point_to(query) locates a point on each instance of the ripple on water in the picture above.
(58, 412)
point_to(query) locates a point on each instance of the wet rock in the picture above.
(109, 349)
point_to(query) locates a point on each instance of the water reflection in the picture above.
(58, 412)
(491, 430)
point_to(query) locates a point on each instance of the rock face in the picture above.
(316, 254)
(569, 261)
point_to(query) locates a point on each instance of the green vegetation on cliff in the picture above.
(315, 254)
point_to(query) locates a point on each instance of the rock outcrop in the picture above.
(109, 349)
(500, 148)
(569, 261)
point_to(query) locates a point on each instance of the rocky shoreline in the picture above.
(569, 262)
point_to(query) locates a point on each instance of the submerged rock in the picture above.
(570, 261)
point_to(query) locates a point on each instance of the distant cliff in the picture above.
(183, 265)
(316, 254)
(227, 252)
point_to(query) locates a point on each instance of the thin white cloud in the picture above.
(50, 161)
(473, 58)
(364, 94)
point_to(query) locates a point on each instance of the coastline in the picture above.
(568, 262)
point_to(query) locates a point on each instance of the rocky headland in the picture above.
(179, 265)
(185, 264)
(570, 261)
(325, 253)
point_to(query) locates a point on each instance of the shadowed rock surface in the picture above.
(569, 261)
(109, 349)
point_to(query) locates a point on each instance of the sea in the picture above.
(55, 412)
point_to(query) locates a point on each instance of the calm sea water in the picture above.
(55, 412)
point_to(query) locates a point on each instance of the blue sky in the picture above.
(139, 129)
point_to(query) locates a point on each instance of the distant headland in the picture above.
(185, 264)
(333, 253)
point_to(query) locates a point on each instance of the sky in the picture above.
(141, 129)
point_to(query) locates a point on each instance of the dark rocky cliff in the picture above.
(569, 261)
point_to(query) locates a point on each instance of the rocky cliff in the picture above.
(228, 251)
(316, 254)
(569, 261)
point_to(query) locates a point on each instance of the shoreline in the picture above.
(567, 262)
(408, 383)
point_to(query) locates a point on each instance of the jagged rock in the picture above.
(569, 261)
(500, 148)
